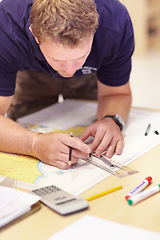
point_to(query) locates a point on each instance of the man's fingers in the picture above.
(77, 143)
(119, 147)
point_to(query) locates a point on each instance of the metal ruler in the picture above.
(110, 166)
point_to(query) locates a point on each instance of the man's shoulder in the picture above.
(14, 16)
(14, 11)
(110, 5)
(13, 4)
(113, 14)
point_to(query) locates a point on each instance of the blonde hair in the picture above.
(68, 22)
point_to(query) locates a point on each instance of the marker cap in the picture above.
(149, 179)
(127, 197)
(130, 201)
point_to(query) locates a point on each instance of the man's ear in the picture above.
(33, 35)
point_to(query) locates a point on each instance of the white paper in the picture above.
(74, 113)
(63, 115)
(14, 203)
(90, 227)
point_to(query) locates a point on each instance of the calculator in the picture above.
(60, 201)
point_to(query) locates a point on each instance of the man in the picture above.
(51, 43)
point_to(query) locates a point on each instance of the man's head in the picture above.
(67, 22)
(64, 30)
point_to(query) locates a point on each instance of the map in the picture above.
(31, 170)
(74, 116)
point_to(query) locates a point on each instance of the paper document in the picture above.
(14, 203)
(74, 116)
(89, 227)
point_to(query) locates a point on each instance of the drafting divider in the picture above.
(110, 166)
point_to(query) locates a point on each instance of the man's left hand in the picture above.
(107, 137)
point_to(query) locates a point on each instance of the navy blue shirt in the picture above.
(110, 55)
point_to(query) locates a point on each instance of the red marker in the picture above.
(138, 189)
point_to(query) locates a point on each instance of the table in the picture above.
(44, 223)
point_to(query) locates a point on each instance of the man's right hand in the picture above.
(53, 149)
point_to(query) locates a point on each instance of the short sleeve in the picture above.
(115, 71)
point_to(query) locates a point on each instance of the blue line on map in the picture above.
(40, 170)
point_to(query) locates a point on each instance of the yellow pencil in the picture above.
(103, 193)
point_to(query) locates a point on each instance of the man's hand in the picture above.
(107, 137)
(53, 149)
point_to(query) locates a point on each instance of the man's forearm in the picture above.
(115, 104)
(14, 138)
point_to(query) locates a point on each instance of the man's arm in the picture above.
(4, 104)
(106, 133)
(14, 138)
(114, 100)
(51, 148)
